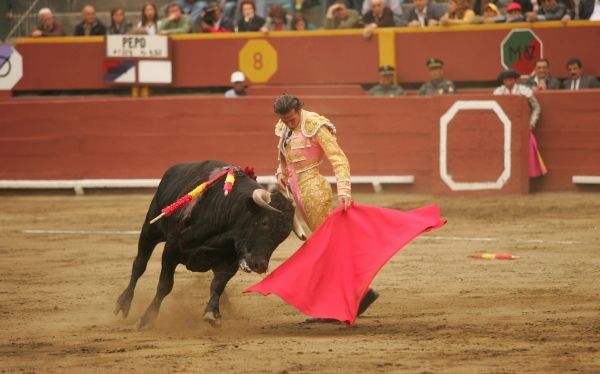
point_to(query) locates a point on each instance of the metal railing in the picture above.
(23, 19)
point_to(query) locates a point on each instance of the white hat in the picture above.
(237, 76)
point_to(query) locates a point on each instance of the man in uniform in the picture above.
(438, 85)
(386, 86)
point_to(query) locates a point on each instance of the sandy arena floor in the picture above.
(439, 311)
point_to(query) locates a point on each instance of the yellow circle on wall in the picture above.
(258, 60)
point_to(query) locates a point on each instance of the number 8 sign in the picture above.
(258, 60)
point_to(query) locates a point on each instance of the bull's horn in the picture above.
(298, 230)
(262, 198)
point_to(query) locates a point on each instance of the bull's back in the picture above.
(180, 179)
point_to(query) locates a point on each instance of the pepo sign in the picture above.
(137, 46)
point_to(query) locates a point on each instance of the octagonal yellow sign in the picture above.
(258, 60)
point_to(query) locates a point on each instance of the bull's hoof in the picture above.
(141, 324)
(123, 304)
(214, 320)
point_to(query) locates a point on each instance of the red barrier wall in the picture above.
(140, 138)
(471, 53)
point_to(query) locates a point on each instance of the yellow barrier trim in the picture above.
(61, 39)
(276, 34)
(498, 26)
(387, 47)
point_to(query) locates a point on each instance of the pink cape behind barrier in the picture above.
(328, 276)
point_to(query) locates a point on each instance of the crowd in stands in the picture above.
(188, 16)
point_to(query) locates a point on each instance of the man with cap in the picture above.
(514, 13)
(239, 86)
(509, 86)
(438, 85)
(387, 86)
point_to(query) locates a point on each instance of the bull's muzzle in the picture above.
(256, 265)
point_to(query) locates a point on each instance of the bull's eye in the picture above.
(264, 223)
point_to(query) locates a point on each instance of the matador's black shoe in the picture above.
(367, 300)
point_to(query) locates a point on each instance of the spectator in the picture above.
(577, 80)
(438, 85)
(379, 16)
(213, 21)
(175, 22)
(491, 14)
(118, 23)
(89, 25)
(394, 5)
(278, 20)
(239, 85)
(459, 13)
(249, 20)
(299, 23)
(509, 86)
(513, 13)
(541, 78)
(229, 7)
(589, 9)
(193, 8)
(47, 25)
(423, 13)
(549, 11)
(526, 5)
(340, 17)
(149, 23)
(310, 11)
(386, 86)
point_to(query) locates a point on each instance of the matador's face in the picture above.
(291, 119)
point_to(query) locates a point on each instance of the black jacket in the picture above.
(97, 29)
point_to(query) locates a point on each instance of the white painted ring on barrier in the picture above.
(445, 122)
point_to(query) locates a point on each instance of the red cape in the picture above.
(328, 276)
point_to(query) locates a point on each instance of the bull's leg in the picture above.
(149, 238)
(165, 284)
(222, 274)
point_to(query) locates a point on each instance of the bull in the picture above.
(214, 232)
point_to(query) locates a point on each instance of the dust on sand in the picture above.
(439, 310)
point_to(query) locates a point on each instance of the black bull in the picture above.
(215, 232)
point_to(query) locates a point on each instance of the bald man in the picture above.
(89, 26)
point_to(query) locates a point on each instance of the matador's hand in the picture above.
(346, 201)
(282, 182)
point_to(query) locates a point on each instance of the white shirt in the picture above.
(421, 16)
(519, 89)
(575, 84)
(596, 13)
(151, 30)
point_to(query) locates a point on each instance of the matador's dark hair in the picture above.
(284, 103)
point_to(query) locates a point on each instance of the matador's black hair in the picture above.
(284, 103)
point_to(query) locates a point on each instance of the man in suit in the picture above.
(541, 78)
(577, 80)
(589, 9)
(90, 25)
(424, 13)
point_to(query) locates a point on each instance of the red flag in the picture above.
(328, 276)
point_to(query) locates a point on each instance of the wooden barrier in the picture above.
(472, 53)
(123, 138)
